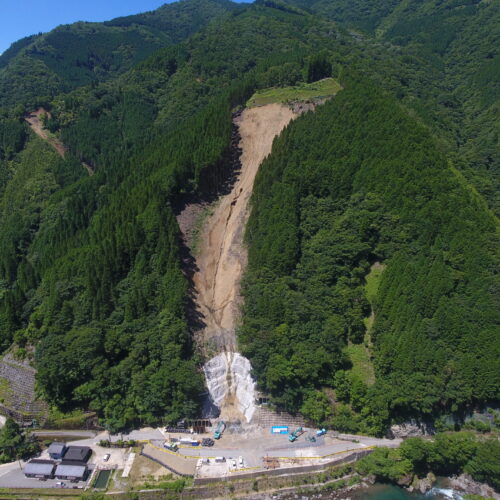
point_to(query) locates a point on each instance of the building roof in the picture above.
(78, 453)
(71, 469)
(39, 467)
(56, 448)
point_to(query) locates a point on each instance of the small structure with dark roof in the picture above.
(78, 453)
(72, 470)
(40, 469)
(56, 450)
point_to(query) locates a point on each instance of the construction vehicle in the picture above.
(170, 446)
(321, 432)
(220, 429)
(311, 437)
(295, 434)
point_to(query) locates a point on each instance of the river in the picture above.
(391, 492)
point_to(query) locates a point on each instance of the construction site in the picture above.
(232, 451)
(241, 436)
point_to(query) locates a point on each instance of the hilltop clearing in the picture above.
(319, 90)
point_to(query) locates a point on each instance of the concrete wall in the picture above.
(162, 463)
(285, 471)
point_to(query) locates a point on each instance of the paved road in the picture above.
(253, 451)
(252, 447)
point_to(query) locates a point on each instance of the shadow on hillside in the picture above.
(216, 180)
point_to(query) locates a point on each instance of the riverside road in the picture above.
(252, 444)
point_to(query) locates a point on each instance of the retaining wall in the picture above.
(284, 471)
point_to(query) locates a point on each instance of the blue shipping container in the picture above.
(279, 429)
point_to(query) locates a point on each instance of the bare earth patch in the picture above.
(222, 256)
(34, 120)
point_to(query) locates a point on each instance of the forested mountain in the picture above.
(380, 191)
(459, 40)
(44, 65)
(397, 171)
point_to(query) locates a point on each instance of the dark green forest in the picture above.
(400, 169)
(40, 67)
(380, 191)
(448, 454)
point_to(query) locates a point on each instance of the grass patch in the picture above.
(373, 281)
(368, 322)
(5, 392)
(176, 485)
(72, 420)
(36, 493)
(302, 92)
(359, 354)
(362, 367)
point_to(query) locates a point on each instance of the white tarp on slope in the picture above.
(239, 380)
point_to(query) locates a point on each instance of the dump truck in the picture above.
(295, 434)
(219, 430)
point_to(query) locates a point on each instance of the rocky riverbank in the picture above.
(428, 488)
(467, 486)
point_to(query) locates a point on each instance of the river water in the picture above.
(391, 492)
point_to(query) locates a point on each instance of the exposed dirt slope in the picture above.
(222, 256)
(35, 122)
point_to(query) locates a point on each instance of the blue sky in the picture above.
(20, 18)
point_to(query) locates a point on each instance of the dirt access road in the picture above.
(222, 256)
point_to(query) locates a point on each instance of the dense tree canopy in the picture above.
(359, 181)
(447, 454)
(398, 169)
(15, 444)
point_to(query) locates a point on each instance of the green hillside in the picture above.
(459, 40)
(78, 54)
(380, 191)
(400, 168)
